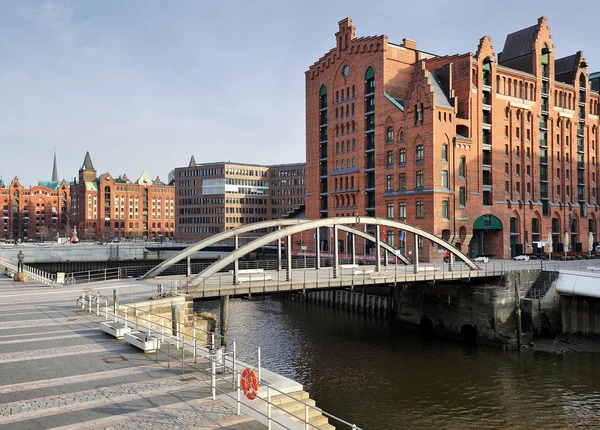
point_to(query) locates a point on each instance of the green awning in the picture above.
(487, 222)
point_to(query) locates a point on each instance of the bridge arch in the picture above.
(337, 224)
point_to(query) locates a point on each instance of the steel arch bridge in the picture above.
(285, 228)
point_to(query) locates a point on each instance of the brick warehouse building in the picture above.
(490, 151)
(39, 212)
(105, 207)
(215, 197)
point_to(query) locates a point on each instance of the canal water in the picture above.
(378, 375)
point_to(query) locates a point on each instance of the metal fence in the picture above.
(225, 365)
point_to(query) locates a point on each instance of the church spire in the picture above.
(54, 169)
(87, 162)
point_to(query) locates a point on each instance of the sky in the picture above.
(147, 84)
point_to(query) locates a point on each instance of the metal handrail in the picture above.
(234, 368)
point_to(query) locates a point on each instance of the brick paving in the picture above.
(58, 370)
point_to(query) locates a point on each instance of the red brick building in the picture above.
(491, 151)
(39, 212)
(106, 207)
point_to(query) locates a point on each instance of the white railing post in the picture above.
(213, 377)
(269, 407)
(306, 425)
(259, 366)
(98, 304)
(239, 394)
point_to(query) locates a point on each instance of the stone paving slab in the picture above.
(59, 370)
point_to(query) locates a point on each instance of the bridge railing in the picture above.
(35, 274)
(226, 365)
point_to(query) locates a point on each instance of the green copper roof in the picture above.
(91, 186)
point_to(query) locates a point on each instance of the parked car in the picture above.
(481, 259)
(521, 258)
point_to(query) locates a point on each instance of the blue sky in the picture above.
(146, 84)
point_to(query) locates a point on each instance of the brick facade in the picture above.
(39, 212)
(106, 207)
(490, 151)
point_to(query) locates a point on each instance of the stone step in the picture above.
(294, 409)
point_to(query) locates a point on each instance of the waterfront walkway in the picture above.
(58, 370)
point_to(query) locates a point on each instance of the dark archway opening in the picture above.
(469, 334)
(426, 327)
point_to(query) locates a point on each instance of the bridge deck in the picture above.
(275, 281)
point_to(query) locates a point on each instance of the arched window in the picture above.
(401, 135)
(369, 81)
(323, 97)
(545, 61)
(337, 148)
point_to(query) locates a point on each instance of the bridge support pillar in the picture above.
(452, 258)
(224, 323)
(279, 252)
(416, 252)
(288, 252)
(377, 249)
(188, 270)
(336, 252)
(317, 248)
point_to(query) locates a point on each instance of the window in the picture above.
(528, 188)
(506, 187)
(528, 152)
(337, 148)
(420, 210)
(445, 153)
(517, 133)
(506, 168)
(390, 211)
(518, 186)
(419, 180)
(390, 159)
(390, 183)
(402, 156)
(445, 178)
(567, 173)
(445, 204)
(402, 181)
(461, 166)
(402, 210)
(420, 152)
(517, 151)
(390, 134)
(401, 136)
(506, 131)
(461, 197)
(390, 238)
(518, 169)
(506, 150)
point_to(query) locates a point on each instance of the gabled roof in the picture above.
(519, 43)
(517, 52)
(87, 162)
(565, 68)
(192, 162)
(144, 179)
(440, 94)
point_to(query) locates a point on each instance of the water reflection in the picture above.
(379, 375)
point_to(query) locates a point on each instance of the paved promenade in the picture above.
(59, 371)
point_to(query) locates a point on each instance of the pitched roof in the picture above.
(87, 162)
(144, 179)
(519, 43)
(565, 68)
(440, 94)
(192, 162)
